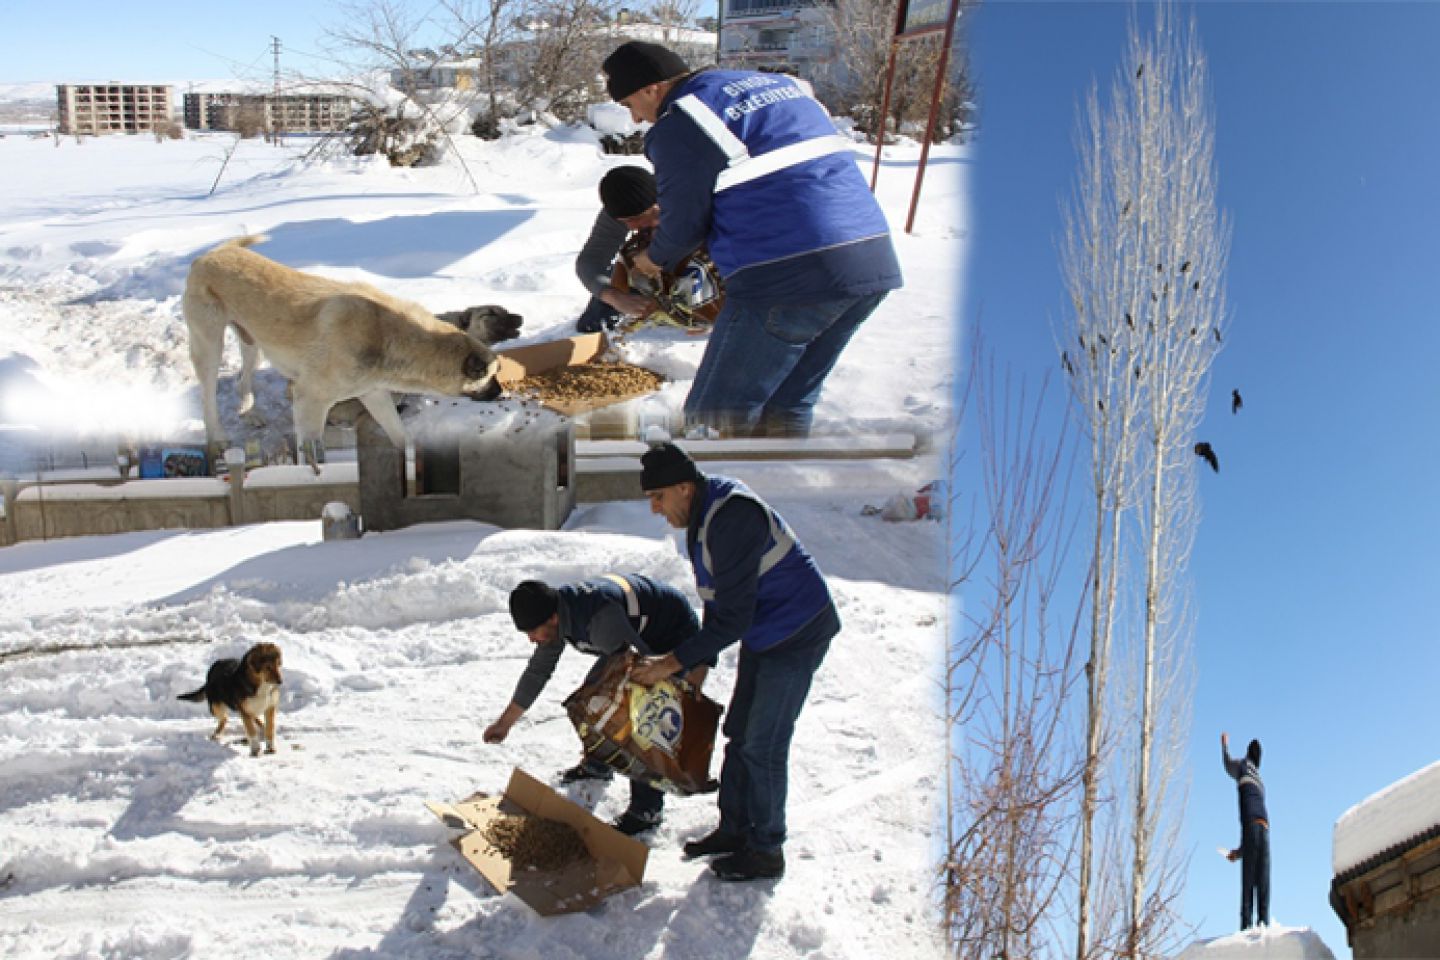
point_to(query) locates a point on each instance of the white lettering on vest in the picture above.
(761, 100)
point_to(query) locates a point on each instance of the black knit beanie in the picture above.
(638, 64)
(627, 191)
(532, 603)
(665, 465)
(1252, 752)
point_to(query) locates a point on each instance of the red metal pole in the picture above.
(900, 12)
(934, 109)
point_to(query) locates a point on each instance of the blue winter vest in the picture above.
(785, 161)
(790, 591)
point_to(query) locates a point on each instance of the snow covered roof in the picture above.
(670, 36)
(1261, 943)
(1384, 825)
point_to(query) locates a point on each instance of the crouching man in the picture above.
(762, 589)
(602, 617)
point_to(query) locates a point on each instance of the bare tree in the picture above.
(569, 44)
(1144, 256)
(389, 34)
(484, 29)
(852, 83)
(673, 16)
(1011, 673)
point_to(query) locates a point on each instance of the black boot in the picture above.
(586, 770)
(750, 864)
(631, 823)
(717, 841)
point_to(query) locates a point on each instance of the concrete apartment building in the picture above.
(793, 34)
(100, 108)
(287, 113)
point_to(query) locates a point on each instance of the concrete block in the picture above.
(501, 463)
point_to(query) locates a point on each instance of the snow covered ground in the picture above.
(124, 832)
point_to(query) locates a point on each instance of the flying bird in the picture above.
(1204, 452)
(1235, 402)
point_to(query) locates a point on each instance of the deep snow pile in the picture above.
(1261, 943)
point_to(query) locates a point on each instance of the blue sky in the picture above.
(163, 40)
(169, 40)
(1316, 565)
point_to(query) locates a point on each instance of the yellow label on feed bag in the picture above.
(656, 720)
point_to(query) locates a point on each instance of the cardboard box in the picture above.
(518, 363)
(616, 862)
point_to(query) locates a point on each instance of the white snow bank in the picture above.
(1394, 815)
(1261, 943)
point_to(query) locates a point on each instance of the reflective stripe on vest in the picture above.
(779, 532)
(632, 602)
(741, 167)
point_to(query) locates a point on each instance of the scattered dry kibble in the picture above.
(534, 843)
(588, 381)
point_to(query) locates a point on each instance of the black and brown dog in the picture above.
(251, 687)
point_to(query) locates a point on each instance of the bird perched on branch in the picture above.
(1235, 402)
(1204, 451)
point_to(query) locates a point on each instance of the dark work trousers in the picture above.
(1255, 873)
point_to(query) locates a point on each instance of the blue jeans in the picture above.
(1255, 873)
(770, 689)
(765, 364)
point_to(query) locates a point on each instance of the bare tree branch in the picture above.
(1144, 255)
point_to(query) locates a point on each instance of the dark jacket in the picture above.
(751, 167)
(1252, 788)
(595, 618)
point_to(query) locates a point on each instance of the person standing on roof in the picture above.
(1254, 850)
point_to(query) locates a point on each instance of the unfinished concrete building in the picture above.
(256, 112)
(99, 108)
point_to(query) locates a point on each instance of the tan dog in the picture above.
(251, 687)
(333, 341)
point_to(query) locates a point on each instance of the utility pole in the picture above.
(277, 109)
(719, 32)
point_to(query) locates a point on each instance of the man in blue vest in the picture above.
(601, 617)
(1254, 850)
(761, 589)
(751, 166)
